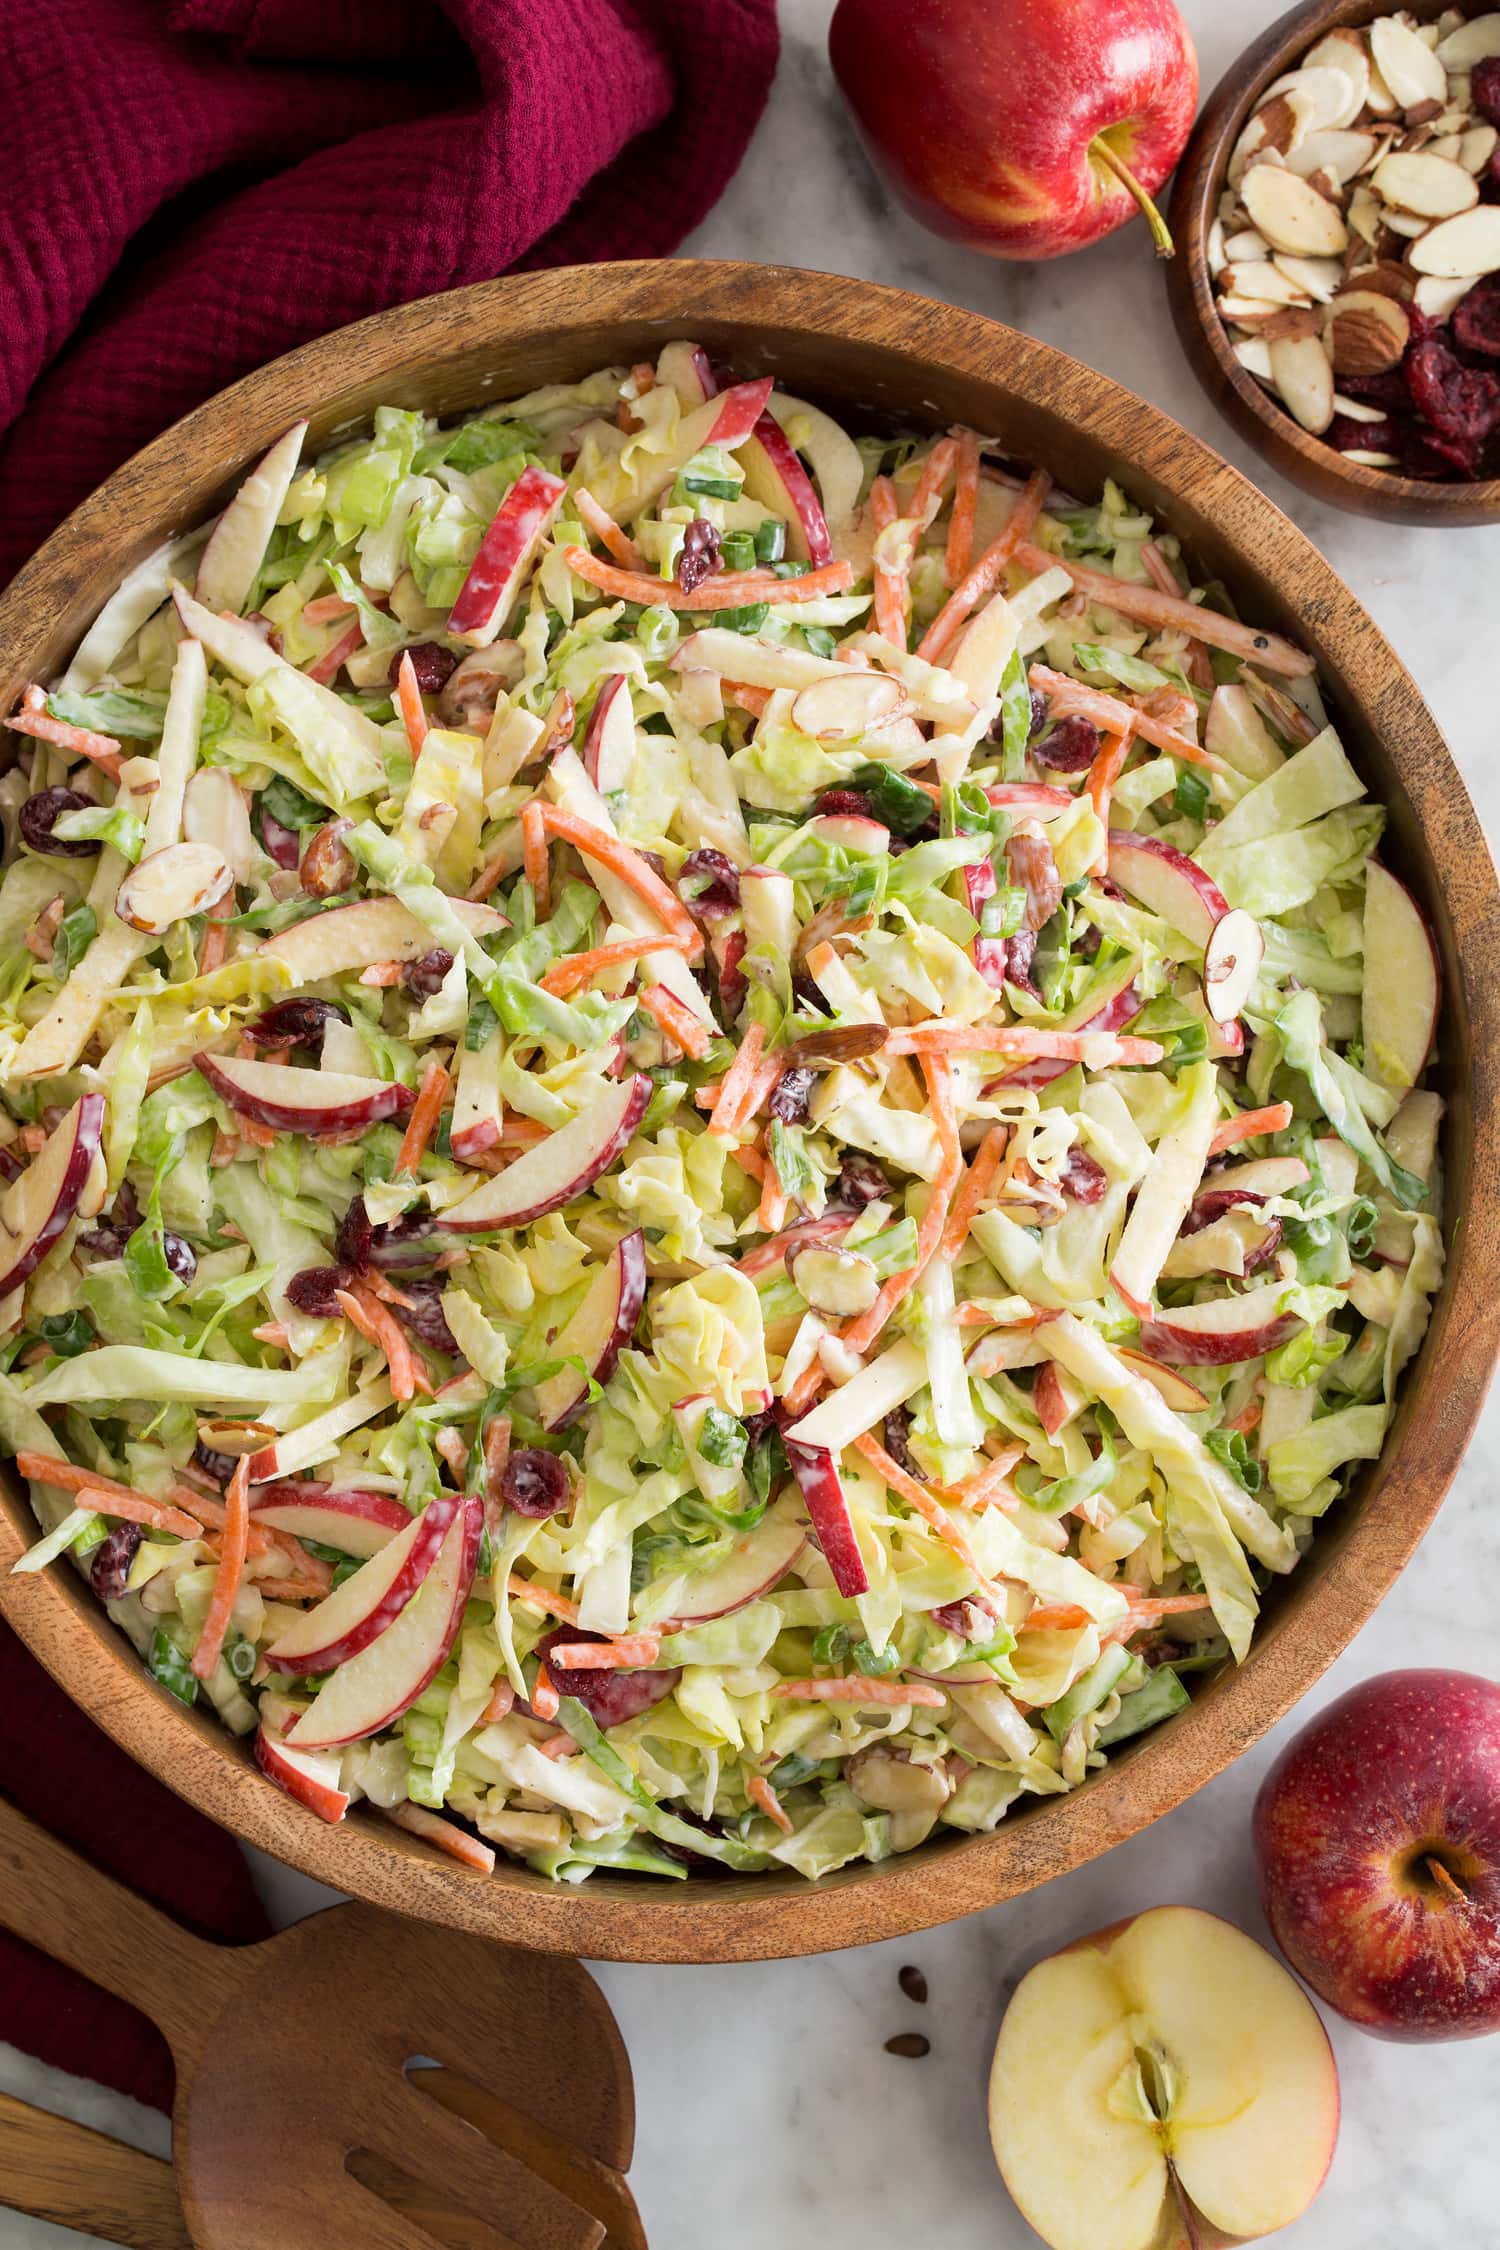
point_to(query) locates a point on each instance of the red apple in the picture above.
(369, 1602)
(237, 544)
(599, 1330)
(311, 1776)
(609, 742)
(41, 1200)
(1378, 1837)
(822, 1490)
(757, 1561)
(506, 553)
(1027, 130)
(1167, 882)
(292, 1100)
(354, 1521)
(340, 938)
(1220, 1333)
(553, 1171)
(775, 477)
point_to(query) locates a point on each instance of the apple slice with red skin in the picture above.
(553, 1171)
(371, 1690)
(53, 1188)
(369, 1602)
(609, 741)
(1221, 1333)
(1056, 1397)
(506, 553)
(1377, 1834)
(596, 1334)
(369, 929)
(1403, 985)
(1260, 1177)
(342, 1516)
(776, 478)
(291, 1100)
(311, 1776)
(757, 1562)
(1182, 1396)
(687, 370)
(1167, 882)
(822, 1491)
(237, 544)
(850, 832)
(1041, 797)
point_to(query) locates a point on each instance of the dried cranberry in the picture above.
(108, 1239)
(790, 1096)
(861, 1181)
(283, 845)
(40, 814)
(610, 1698)
(1071, 747)
(424, 1318)
(411, 1241)
(181, 1257)
(1484, 89)
(1088, 941)
(1387, 389)
(1346, 435)
(355, 1237)
(1461, 404)
(112, 1558)
(433, 665)
(1428, 453)
(298, 1023)
(1476, 321)
(535, 1483)
(1022, 953)
(701, 556)
(1083, 1177)
(424, 977)
(708, 885)
(312, 1291)
(897, 1424)
(844, 804)
(728, 953)
(1038, 712)
(219, 1466)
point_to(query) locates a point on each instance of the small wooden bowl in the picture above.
(1320, 469)
(881, 353)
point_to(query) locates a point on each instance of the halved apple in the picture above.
(1200, 2098)
(292, 1100)
(1168, 882)
(817, 1475)
(553, 1171)
(311, 1776)
(506, 552)
(776, 478)
(342, 1516)
(1221, 1333)
(1403, 983)
(237, 544)
(368, 1603)
(758, 1560)
(609, 740)
(38, 1205)
(372, 1689)
(371, 929)
(597, 1333)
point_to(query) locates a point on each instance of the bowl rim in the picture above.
(772, 1917)
(1200, 176)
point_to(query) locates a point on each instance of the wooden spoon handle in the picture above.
(51, 2168)
(56, 1901)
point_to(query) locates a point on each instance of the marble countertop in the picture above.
(766, 2102)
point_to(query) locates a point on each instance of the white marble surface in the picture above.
(769, 2116)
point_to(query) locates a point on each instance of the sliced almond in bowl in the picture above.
(1345, 52)
(1318, 278)
(1303, 375)
(1320, 96)
(1246, 245)
(1432, 187)
(1367, 333)
(1404, 224)
(1438, 297)
(1254, 355)
(1341, 153)
(1274, 128)
(168, 885)
(1468, 244)
(1477, 146)
(1291, 214)
(1260, 278)
(1470, 43)
(1407, 64)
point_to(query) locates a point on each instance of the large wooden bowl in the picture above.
(896, 355)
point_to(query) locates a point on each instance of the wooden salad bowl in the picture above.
(1274, 432)
(883, 355)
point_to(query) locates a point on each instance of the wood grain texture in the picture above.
(51, 2168)
(296, 2119)
(1318, 468)
(882, 351)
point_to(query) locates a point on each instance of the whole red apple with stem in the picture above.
(1024, 128)
(1377, 1832)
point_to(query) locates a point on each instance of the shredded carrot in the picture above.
(380, 1285)
(892, 600)
(496, 1455)
(1111, 713)
(33, 718)
(500, 1704)
(984, 575)
(379, 1327)
(1145, 1613)
(774, 1201)
(805, 1389)
(1105, 771)
(575, 969)
(453, 1450)
(445, 1834)
(214, 943)
(621, 860)
(989, 1487)
(729, 590)
(1249, 1125)
(862, 1691)
(542, 1598)
(972, 1189)
(679, 1023)
(291, 1589)
(381, 975)
(422, 1123)
(861, 1333)
(534, 840)
(760, 1792)
(965, 504)
(626, 1652)
(1170, 611)
(213, 1512)
(752, 699)
(1246, 1420)
(334, 655)
(545, 1701)
(750, 1160)
(917, 1496)
(930, 486)
(1108, 1047)
(231, 1570)
(324, 609)
(409, 703)
(559, 1745)
(806, 1231)
(1055, 1617)
(608, 533)
(105, 1495)
(734, 1086)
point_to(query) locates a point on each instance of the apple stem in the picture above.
(1446, 1881)
(1103, 153)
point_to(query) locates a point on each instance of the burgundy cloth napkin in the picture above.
(192, 186)
(189, 188)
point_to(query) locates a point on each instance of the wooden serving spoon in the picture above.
(298, 2117)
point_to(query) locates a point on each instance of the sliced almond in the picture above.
(1291, 214)
(1254, 355)
(1303, 375)
(168, 885)
(1320, 97)
(1364, 215)
(1469, 244)
(1318, 278)
(1432, 187)
(1402, 223)
(1439, 298)
(842, 710)
(1371, 460)
(1477, 146)
(1366, 333)
(1407, 64)
(1342, 154)
(1272, 127)
(1260, 278)
(1449, 144)
(1379, 99)
(1357, 409)
(1247, 308)
(1386, 278)
(1245, 244)
(1470, 43)
(1345, 52)
(1216, 260)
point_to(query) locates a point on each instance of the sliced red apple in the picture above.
(850, 832)
(553, 1171)
(1221, 1333)
(755, 1564)
(841, 710)
(478, 1110)
(311, 1776)
(724, 419)
(342, 1516)
(822, 1491)
(836, 460)
(878, 1389)
(776, 478)
(1182, 1396)
(1040, 797)
(1236, 732)
(37, 1207)
(1403, 983)
(596, 1334)
(506, 553)
(214, 812)
(1055, 1397)
(369, 1602)
(687, 370)
(609, 742)
(1235, 1242)
(237, 544)
(371, 929)
(372, 1689)
(166, 886)
(769, 906)
(1231, 964)
(1167, 881)
(292, 1100)
(1262, 1176)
